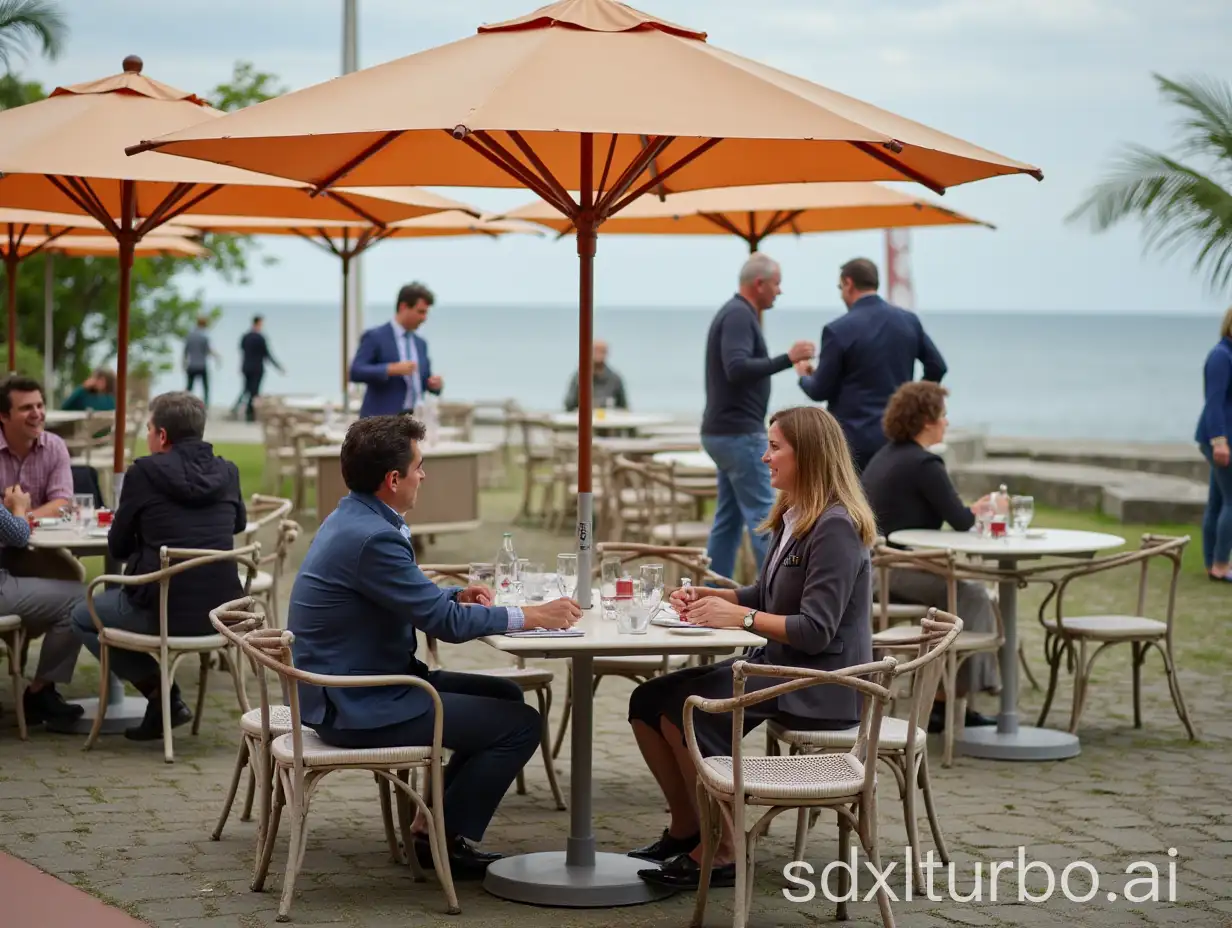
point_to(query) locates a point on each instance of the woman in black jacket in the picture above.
(909, 487)
(812, 603)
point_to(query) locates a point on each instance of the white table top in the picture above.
(687, 460)
(612, 419)
(444, 449)
(1051, 541)
(309, 403)
(63, 416)
(603, 639)
(67, 538)
(337, 434)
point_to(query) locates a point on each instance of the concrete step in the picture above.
(1122, 494)
(1177, 460)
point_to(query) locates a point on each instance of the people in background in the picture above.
(733, 430)
(32, 460)
(811, 602)
(608, 386)
(359, 600)
(908, 487)
(96, 392)
(181, 495)
(1212, 436)
(197, 354)
(865, 356)
(254, 352)
(392, 359)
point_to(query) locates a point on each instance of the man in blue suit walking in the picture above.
(393, 360)
(865, 356)
(356, 606)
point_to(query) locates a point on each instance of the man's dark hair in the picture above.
(410, 294)
(17, 383)
(181, 415)
(376, 445)
(258, 319)
(862, 273)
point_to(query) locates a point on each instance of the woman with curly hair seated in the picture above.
(908, 487)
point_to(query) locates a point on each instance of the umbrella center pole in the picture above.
(586, 241)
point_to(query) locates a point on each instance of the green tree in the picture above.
(86, 291)
(23, 22)
(1184, 200)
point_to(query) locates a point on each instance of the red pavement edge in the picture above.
(34, 899)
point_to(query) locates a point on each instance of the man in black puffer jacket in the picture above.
(182, 496)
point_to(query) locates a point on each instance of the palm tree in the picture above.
(1184, 201)
(28, 21)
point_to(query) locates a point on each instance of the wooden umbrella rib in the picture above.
(725, 224)
(355, 162)
(654, 169)
(324, 242)
(511, 166)
(683, 162)
(878, 153)
(355, 208)
(633, 170)
(48, 238)
(88, 193)
(157, 215)
(183, 207)
(607, 165)
(544, 172)
(780, 219)
(69, 189)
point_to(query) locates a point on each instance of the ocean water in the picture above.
(1099, 376)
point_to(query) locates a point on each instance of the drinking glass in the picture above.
(633, 615)
(609, 574)
(1022, 511)
(533, 581)
(83, 509)
(567, 574)
(652, 585)
(480, 574)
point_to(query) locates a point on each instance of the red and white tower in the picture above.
(899, 289)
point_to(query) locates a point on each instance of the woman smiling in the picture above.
(811, 602)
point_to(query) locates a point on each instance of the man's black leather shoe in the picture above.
(666, 847)
(465, 862)
(683, 872)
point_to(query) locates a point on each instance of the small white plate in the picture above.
(49, 522)
(99, 532)
(692, 630)
(1034, 533)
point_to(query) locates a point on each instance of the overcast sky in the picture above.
(1057, 83)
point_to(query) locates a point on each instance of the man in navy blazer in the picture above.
(393, 360)
(865, 356)
(356, 605)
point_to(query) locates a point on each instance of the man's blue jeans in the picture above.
(1217, 522)
(744, 500)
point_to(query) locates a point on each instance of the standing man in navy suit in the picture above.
(865, 356)
(393, 360)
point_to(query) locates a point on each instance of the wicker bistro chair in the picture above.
(302, 760)
(536, 680)
(694, 563)
(941, 563)
(1071, 635)
(267, 583)
(902, 743)
(264, 511)
(166, 649)
(13, 637)
(259, 727)
(845, 782)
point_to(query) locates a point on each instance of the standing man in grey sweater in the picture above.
(197, 353)
(738, 372)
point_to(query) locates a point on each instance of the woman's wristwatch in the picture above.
(747, 621)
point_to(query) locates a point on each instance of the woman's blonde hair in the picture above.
(825, 475)
(1226, 329)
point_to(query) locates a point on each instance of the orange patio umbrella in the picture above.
(581, 95)
(66, 153)
(348, 240)
(596, 97)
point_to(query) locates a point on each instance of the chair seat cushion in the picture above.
(135, 641)
(966, 641)
(804, 776)
(893, 736)
(901, 612)
(683, 532)
(280, 721)
(263, 582)
(1109, 627)
(529, 678)
(319, 754)
(10, 623)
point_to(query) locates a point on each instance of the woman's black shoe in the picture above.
(972, 719)
(666, 847)
(151, 726)
(683, 872)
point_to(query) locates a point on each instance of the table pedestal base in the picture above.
(545, 879)
(122, 712)
(1027, 743)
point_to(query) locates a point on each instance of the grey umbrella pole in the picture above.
(49, 299)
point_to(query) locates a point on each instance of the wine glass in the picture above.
(1022, 511)
(567, 574)
(609, 574)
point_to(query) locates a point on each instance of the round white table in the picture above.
(613, 420)
(1009, 740)
(688, 460)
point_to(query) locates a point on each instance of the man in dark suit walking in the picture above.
(865, 356)
(392, 360)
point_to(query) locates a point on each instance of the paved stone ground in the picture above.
(135, 832)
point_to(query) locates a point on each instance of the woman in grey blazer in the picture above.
(811, 601)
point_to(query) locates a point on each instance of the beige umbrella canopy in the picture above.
(585, 95)
(66, 153)
(348, 240)
(753, 213)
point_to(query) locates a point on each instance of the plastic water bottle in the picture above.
(506, 565)
(431, 419)
(1000, 512)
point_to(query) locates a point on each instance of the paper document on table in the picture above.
(547, 633)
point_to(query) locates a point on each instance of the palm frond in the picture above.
(1207, 120)
(25, 22)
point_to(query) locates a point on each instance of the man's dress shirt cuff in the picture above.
(517, 618)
